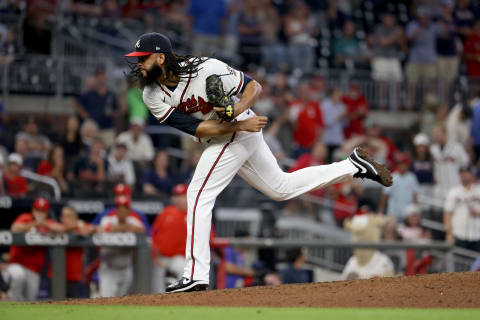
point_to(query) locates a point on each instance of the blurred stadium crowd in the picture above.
(422, 55)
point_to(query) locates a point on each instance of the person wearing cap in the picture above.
(25, 262)
(15, 185)
(175, 91)
(116, 267)
(99, 104)
(411, 230)
(169, 237)
(422, 58)
(461, 215)
(357, 110)
(389, 47)
(448, 58)
(448, 157)
(120, 168)
(422, 163)
(139, 144)
(403, 191)
(122, 189)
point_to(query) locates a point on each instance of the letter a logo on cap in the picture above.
(137, 45)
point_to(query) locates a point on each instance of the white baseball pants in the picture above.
(114, 282)
(248, 155)
(24, 283)
(161, 266)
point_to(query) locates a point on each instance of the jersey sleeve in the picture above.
(157, 107)
(232, 79)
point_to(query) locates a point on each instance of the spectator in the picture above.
(447, 50)
(133, 9)
(120, 169)
(100, 105)
(26, 262)
(55, 167)
(15, 185)
(422, 34)
(294, 272)
(462, 212)
(169, 237)
(459, 124)
(85, 7)
(412, 231)
(111, 9)
(475, 133)
(448, 157)
(300, 27)
(316, 157)
(308, 121)
(122, 189)
(334, 116)
(158, 179)
(38, 144)
(357, 110)
(345, 198)
(74, 255)
(250, 34)
(238, 274)
(90, 169)
(115, 272)
(139, 144)
(403, 191)
(464, 16)
(88, 134)
(389, 47)
(273, 51)
(189, 165)
(422, 163)
(318, 87)
(71, 142)
(136, 108)
(208, 25)
(346, 48)
(472, 57)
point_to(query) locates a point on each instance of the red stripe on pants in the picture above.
(198, 196)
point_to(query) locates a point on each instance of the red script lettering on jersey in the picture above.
(192, 105)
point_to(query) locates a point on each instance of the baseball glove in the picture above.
(219, 98)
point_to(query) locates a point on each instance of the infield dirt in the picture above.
(446, 290)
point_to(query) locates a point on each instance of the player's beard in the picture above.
(151, 76)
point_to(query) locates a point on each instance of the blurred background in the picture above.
(400, 78)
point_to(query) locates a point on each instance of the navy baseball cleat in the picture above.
(185, 285)
(369, 168)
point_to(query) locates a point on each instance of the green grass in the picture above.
(17, 311)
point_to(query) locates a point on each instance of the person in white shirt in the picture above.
(139, 144)
(115, 273)
(403, 191)
(120, 169)
(448, 157)
(462, 212)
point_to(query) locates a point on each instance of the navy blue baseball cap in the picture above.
(150, 43)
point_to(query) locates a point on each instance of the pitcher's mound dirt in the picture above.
(447, 290)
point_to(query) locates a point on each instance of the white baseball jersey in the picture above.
(245, 153)
(190, 95)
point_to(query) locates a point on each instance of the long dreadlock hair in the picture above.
(182, 66)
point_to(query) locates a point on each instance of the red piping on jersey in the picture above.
(196, 201)
(185, 89)
(165, 91)
(240, 84)
(166, 114)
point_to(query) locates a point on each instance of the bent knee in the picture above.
(16, 272)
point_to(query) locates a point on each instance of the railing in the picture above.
(142, 268)
(57, 194)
